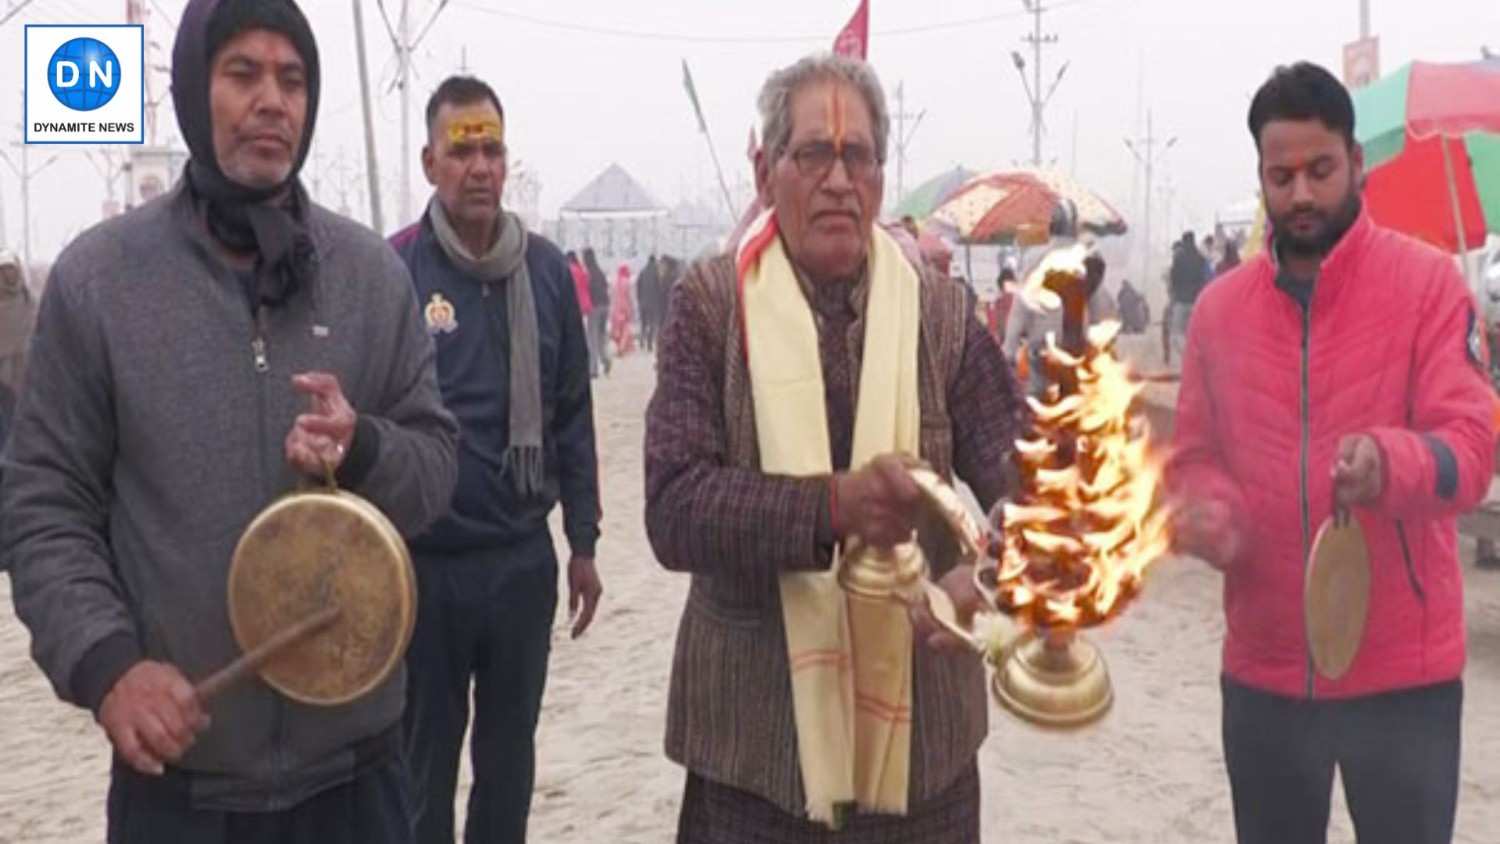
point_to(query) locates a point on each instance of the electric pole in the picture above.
(26, 174)
(107, 163)
(372, 166)
(903, 138)
(403, 53)
(1145, 152)
(405, 45)
(1364, 19)
(1034, 94)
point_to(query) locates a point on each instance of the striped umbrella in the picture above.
(996, 207)
(1431, 137)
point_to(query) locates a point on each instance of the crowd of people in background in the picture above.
(628, 314)
(1017, 326)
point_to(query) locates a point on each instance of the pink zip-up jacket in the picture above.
(1390, 346)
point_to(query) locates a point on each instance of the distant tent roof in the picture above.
(613, 193)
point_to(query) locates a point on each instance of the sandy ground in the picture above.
(1151, 772)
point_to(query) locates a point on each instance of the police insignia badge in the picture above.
(440, 315)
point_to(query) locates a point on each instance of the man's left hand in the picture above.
(584, 590)
(959, 584)
(320, 439)
(1358, 473)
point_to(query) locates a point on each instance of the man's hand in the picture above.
(584, 589)
(320, 439)
(1206, 530)
(959, 584)
(152, 716)
(878, 503)
(1358, 473)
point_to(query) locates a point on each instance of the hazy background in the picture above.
(589, 82)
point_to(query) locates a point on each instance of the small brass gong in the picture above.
(1336, 600)
(305, 554)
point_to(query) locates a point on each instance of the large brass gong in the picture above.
(322, 586)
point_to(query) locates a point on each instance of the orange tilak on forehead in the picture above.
(836, 119)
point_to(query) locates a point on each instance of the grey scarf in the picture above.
(506, 261)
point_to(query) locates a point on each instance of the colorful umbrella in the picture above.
(922, 200)
(1094, 213)
(1431, 137)
(995, 207)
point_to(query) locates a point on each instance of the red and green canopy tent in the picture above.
(1431, 137)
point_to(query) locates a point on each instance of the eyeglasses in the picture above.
(815, 160)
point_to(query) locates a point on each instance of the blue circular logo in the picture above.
(84, 74)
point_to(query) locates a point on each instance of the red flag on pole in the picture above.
(854, 40)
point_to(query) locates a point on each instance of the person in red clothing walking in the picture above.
(580, 285)
(1339, 369)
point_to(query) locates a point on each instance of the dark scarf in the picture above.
(241, 218)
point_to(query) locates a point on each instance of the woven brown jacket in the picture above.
(710, 511)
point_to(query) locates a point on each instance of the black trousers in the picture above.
(372, 808)
(483, 624)
(1397, 754)
(649, 328)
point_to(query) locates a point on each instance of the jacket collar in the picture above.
(1338, 264)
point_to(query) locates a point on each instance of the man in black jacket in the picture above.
(513, 366)
(1187, 277)
(652, 303)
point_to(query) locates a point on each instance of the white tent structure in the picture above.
(615, 216)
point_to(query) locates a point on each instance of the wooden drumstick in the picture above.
(215, 684)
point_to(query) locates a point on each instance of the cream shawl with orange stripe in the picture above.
(851, 658)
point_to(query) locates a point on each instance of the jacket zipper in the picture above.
(1306, 446)
(262, 363)
(258, 345)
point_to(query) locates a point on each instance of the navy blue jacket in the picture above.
(473, 362)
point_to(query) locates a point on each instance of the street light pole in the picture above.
(1144, 150)
(1034, 89)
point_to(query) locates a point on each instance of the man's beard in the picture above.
(1334, 227)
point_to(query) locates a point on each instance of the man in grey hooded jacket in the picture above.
(194, 359)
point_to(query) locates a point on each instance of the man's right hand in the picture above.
(152, 716)
(879, 503)
(1206, 530)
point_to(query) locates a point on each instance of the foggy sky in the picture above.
(576, 101)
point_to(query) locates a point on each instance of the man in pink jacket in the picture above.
(1340, 368)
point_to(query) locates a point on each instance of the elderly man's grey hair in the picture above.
(775, 101)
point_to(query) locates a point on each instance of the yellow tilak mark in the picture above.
(476, 130)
